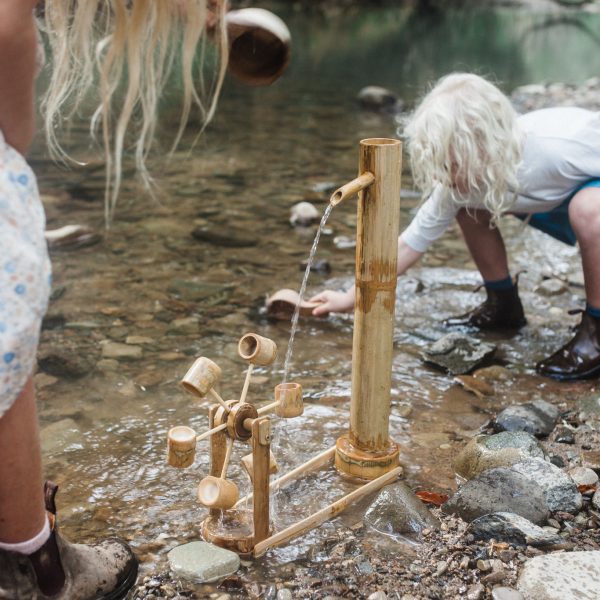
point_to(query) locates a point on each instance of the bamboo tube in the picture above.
(353, 187)
(257, 349)
(217, 493)
(313, 463)
(181, 446)
(261, 451)
(218, 450)
(376, 274)
(324, 514)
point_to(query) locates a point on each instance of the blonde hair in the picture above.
(123, 51)
(466, 125)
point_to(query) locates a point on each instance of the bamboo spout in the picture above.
(352, 187)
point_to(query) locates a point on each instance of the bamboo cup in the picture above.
(216, 492)
(257, 349)
(289, 398)
(201, 377)
(181, 446)
(248, 463)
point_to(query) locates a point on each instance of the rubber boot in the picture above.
(502, 309)
(580, 357)
(64, 571)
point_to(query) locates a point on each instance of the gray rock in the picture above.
(590, 405)
(284, 594)
(537, 417)
(202, 562)
(499, 450)
(499, 490)
(396, 510)
(506, 593)
(379, 595)
(564, 436)
(561, 576)
(513, 529)
(560, 490)
(227, 237)
(303, 214)
(596, 500)
(458, 353)
(377, 98)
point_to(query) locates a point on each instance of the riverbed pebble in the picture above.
(458, 353)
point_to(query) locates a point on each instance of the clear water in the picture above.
(104, 432)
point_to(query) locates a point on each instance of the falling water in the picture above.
(313, 250)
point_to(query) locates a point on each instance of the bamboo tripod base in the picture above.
(232, 529)
(366, 466)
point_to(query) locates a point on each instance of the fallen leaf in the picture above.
(585, 488)
(432, 497)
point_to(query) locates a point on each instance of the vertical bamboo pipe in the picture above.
(261, 458)
(366, 452)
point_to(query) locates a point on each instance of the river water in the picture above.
(150, 284)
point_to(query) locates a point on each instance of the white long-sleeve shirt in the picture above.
(561, 151)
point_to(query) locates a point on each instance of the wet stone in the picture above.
(458, 353)
(596, 500)
(396, 510)
(498, 450)
(226, 237)
(560, 490)
(562, 576)
(202, 562)
(590, 405)
(506, 593)
(120, 351)
(58, 435)
(63, 363)
(304, 214)
(284, 594)
(499, 490)
(513, 529)
(537, 417)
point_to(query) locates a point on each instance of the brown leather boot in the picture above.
(580, 357)
(64, 571)
(502, 309)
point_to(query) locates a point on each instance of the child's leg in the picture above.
(484, 243)
(22, 514)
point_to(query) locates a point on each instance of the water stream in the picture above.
(311, 258)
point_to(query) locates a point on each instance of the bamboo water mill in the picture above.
(366, 452)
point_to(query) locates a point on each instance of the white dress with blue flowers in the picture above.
(24, 273)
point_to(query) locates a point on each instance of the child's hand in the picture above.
(333, 302)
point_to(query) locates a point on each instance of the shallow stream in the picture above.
(153, 285)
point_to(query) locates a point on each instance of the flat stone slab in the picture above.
(537, 417)
(202, 562)
(499, 490)
(511, 528)
(560, 490)
(458, 353)
(563, 576)
(500, 450)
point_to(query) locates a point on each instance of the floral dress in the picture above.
(24, 273)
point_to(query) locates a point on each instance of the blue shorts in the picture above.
(556, 221)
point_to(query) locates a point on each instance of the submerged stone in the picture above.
(513, 529)
(499, 490)
(202, 562)
(498, 450)
(227, 237)
(537, 417)
(560, 490)
(377, 98)
(397, 511)
(563, 576)
(303, 214)
(458, 353)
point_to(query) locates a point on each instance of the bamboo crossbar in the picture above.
(313, 463)
(324, 514)
(246, 383)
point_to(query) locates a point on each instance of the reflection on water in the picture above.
(188, 276)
